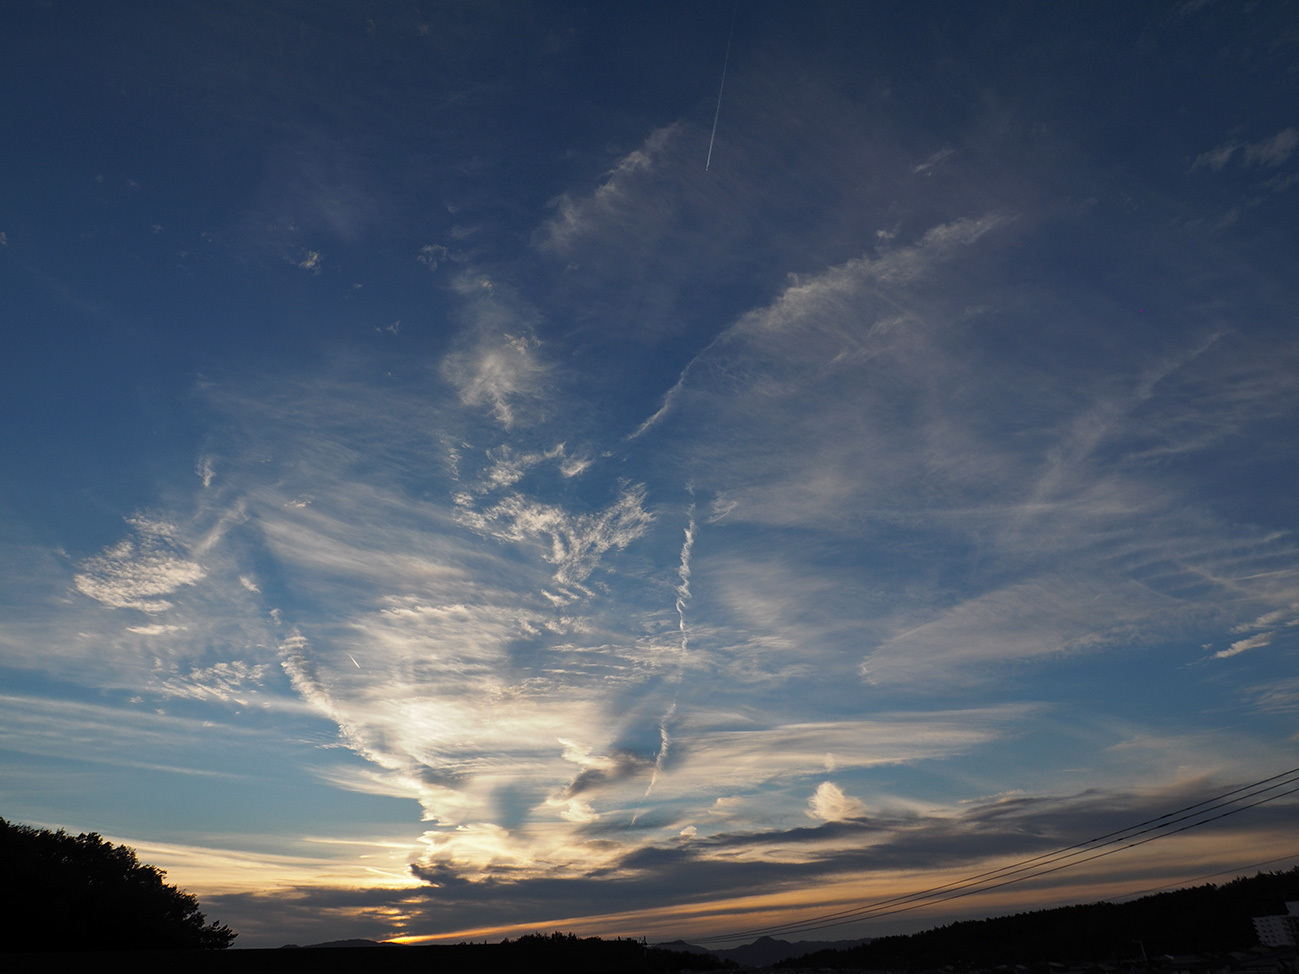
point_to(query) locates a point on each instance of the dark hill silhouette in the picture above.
(1205, 919)
(556, 953)
(766, 951)
(763, 952)
(80, 893)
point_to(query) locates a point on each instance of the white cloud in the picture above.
(1243, 645)
(1049, 615)
(309, 260)
(577, 811)
(711, 758)
(1278, 697)
(822, 318)
(927, 167)
(431, 254)
(498, 373)
(227, 682)
(576, 541)
(609, 204)
(498, 363)
(1273, 151)
(1268, 152)
(118, 736)
(823, 294)
(1269, 619)
(830, 804)
(1217, 157)
(508, 466)
(134, 573)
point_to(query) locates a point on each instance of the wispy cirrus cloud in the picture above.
(612, 202)
(1084, 539)
(116, 736)
(226, 681)
(814, 307)
(499, 363)
(1274, 151)
(575, 542)
(138, 571)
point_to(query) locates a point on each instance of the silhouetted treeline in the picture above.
(76, 893)
(568, 952)
(1205, 919)
(564, 952)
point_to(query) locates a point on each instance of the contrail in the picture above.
(683, 597)
(720, 88)
(671, 395)
(683, 589)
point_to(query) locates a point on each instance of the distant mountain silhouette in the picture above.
(681, 946)
(765, 951)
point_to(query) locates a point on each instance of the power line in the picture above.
(1195, 814)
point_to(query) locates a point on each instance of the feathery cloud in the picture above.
(137, 571)
(608, 204)
(498, 363)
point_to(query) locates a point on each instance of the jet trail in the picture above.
(720, 88)
(683, 598)
(670, 396)
(683, 590)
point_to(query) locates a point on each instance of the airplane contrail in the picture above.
(683, 598)
(683, 590)
(720, 88)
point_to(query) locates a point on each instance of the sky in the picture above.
(646, 469)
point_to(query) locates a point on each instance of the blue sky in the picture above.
(435, 505)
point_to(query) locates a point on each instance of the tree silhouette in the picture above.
(82, 893)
